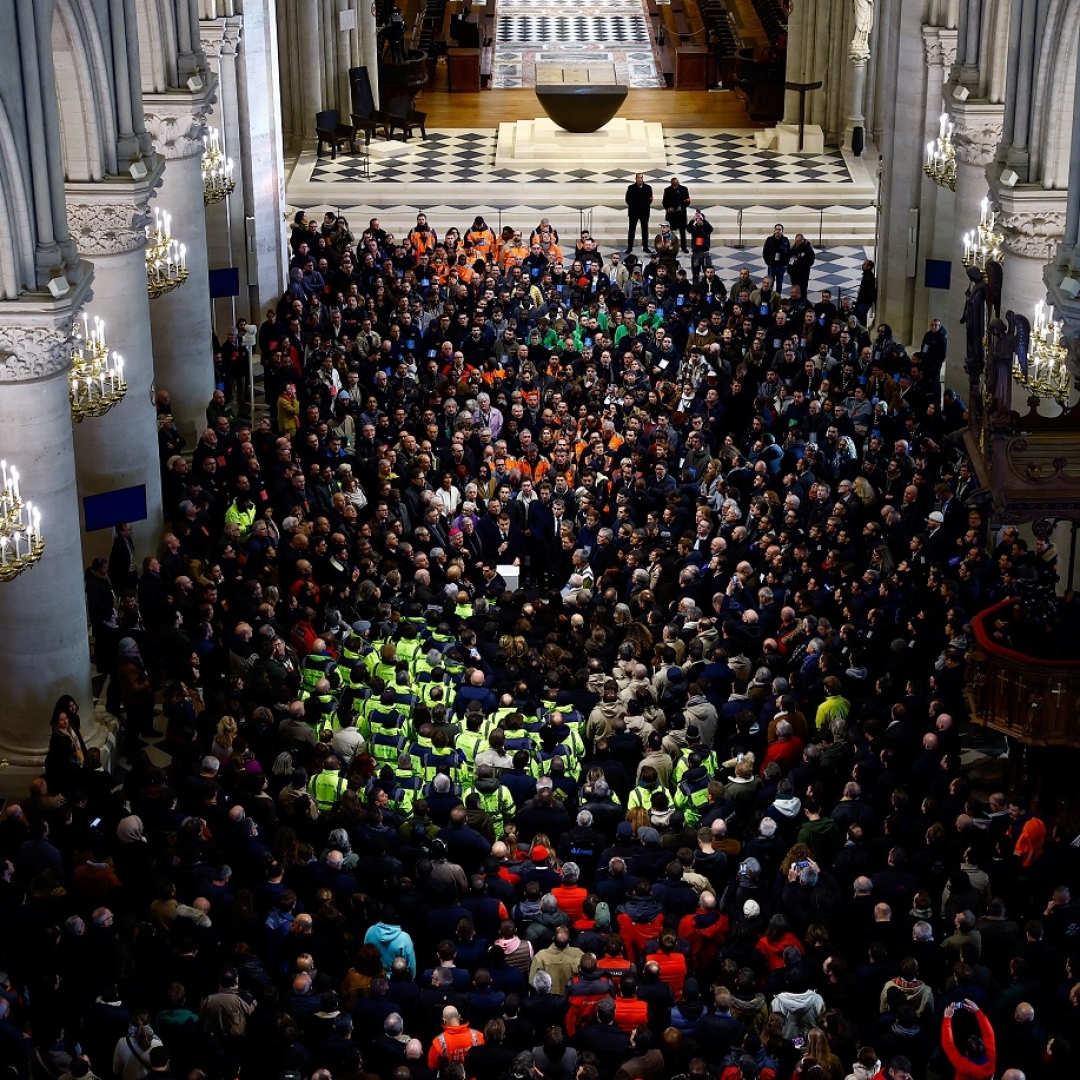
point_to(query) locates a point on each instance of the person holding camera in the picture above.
(700, 230)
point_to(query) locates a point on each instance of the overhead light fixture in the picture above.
(941, 156)
(21, 541)
(1047, 370)
(983, 245)
(166, 259)
(217, 170)
(96, 380)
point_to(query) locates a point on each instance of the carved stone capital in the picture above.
(1032, 234)
(976, 143)
(108, 228)
(34, 352)
(210, 38)
(177, 121)
(230, 41)
(940, 46)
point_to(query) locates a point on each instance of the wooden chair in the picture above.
(400, 117)
(369, 125)
(333, 132)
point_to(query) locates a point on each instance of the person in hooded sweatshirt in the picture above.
(391, 940)
(786, 811)
(801, 1007)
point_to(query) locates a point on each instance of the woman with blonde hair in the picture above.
(864, 491)
(818, 1048)
(222, 747)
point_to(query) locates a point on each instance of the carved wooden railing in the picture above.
(1035, 701)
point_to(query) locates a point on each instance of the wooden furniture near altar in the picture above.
(1035, 702)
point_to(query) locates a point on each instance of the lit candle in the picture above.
(985, 205)
(3, 550)
(15, 483)
(929, 153)
(119, 367)
(183, 257)
(944, 122)
(3, 468)
(37, 524)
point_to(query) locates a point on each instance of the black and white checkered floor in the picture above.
(540, 30)
(468, 157)
(838, 269)
(579, 33)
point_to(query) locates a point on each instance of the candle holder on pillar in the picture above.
(983, 245)
(166, 258)
(1047, 374)
(217, 170)
(96, 380)
(941, 156)
(21, 541)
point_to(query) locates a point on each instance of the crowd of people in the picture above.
(563, 681)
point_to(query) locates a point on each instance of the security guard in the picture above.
(327, 785)
(495, 798)
(383, 663)
(408, 785)
(442, 755)
(389, 730)
(692, 794)
(470, 742)
(318, 664)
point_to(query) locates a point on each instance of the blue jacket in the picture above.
(392, 942)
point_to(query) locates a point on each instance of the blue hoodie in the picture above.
(392, 942)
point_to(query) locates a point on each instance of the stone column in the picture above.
(115, 451)
(1033, 222)
(976, 137)
(46, 651)
(183, 359)
(225, 219)
(856, 121)
(903, 152)
(369, 46)
(1018, 154)
(262, 163)
(972, 28)
(936, 227)
(309, 60)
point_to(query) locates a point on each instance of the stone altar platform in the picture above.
(632, 145)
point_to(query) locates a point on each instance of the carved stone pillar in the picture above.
(183, 357)
(45, 651)
(976, 137)
(113, 451)
(225, 219)
(936, 229)
(1033, 222)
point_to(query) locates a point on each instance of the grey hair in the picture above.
(542, 982)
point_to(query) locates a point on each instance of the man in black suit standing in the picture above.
(676, 200)
(639, 197)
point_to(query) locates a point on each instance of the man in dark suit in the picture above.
(504, 544)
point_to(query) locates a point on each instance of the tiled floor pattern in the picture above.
(529, 35)
(468, 157)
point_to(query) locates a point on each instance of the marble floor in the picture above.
(530, 35)
(710, 158)
(830, 196)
